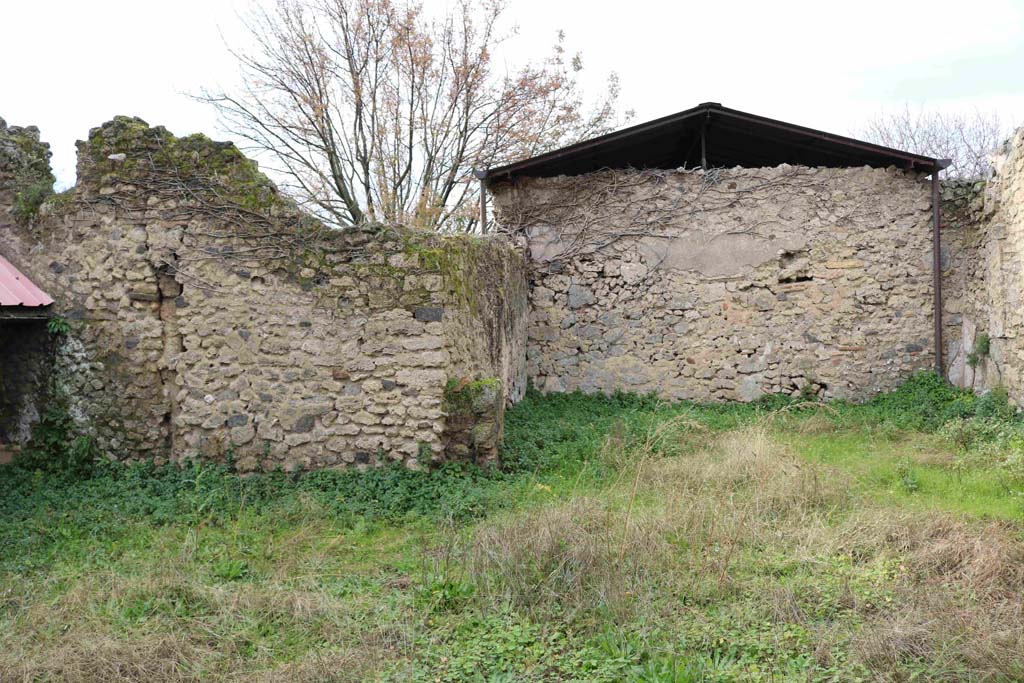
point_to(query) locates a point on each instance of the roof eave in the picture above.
(912, 161)
(583, 145)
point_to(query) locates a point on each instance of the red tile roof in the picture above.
(18, 290)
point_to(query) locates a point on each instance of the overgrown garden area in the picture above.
(624, 539)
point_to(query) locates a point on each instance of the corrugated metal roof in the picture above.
(18, 290)
(716, 136)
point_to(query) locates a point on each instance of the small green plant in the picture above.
(230, 569)
(907, 477)
(671, 669)
(58, 326)
(28, 200)
(982, 346)
(425, 452)
(444, 595)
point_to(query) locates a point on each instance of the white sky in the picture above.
(70, 65)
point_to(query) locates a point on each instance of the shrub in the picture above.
(995, 405)
(1012, 468)
(966, 433)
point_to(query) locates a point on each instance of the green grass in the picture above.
(625, 539)
(914, 471)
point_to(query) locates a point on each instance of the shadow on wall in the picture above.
(26, 355)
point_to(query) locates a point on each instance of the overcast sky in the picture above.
(70, 65)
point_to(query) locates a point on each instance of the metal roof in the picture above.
(18, 290)
(718, 136)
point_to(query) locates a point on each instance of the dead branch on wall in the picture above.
(245, 224)
(592, 212)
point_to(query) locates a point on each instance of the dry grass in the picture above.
(817, 424)
(694, 517)
(170, 659)
(707, 523)
(733, 536)
(568, 554)
(81, 658)
(961, 604)
(170, 624)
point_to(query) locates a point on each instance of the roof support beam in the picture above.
(481, 174)
(704, 141)
(937, 275)
(483, 207)
(824, 137)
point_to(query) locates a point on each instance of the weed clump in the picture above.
(30, 197)
(926, 401)
(982, 346)
(58, 448)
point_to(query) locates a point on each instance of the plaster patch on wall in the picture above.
(721, 255)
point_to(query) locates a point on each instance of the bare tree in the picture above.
(370, 111)
(966, 139)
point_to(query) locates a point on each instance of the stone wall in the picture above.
(983, 245)
(211, 317)
(26, 352)
(486, 334)
(726, 284)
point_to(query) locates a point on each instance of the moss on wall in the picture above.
(128, 151)
(473, 425)
(24, 170)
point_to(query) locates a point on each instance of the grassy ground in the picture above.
(626, 540)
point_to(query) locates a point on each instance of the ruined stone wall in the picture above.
(983, 245)
(26, 351)
(487, 335)
(965, 242)
(726, 284)
(210, 317)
